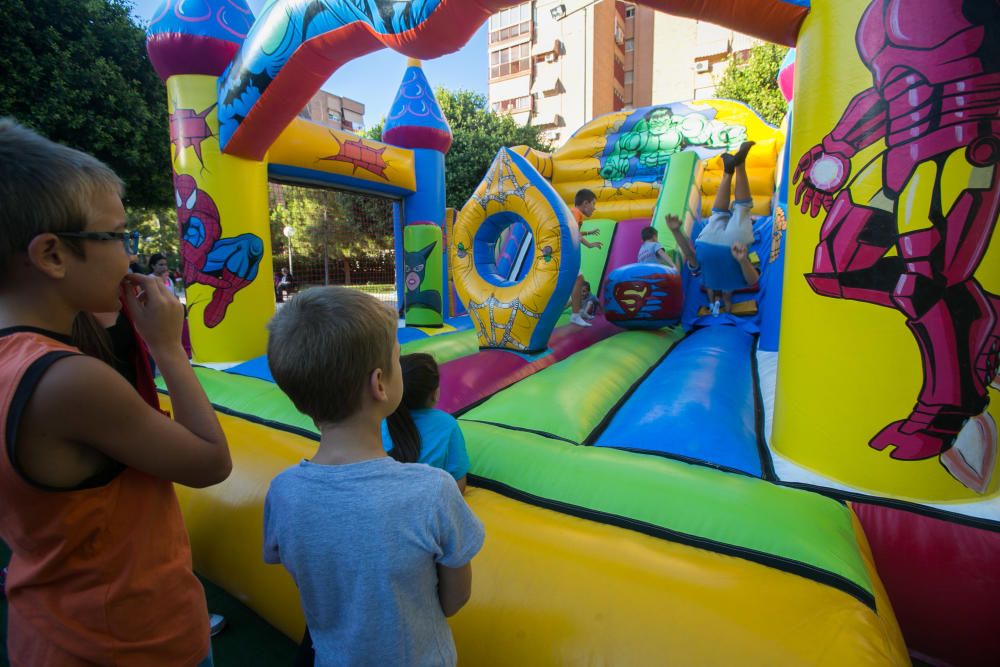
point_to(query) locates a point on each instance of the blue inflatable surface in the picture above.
(697, 404)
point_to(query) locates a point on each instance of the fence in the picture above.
(326, 237)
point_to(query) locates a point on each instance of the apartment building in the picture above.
(340, 113)
(560, 63)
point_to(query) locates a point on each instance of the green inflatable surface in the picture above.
(796, 530)
(569, 399)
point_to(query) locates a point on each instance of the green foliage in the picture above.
(755, 82)
(158, 232)
(342, 226)
(77, 71)
(477, 135)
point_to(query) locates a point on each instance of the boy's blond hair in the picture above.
(323, 346)
(44, 187)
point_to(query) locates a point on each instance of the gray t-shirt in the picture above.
(361, 541)
(647, 252)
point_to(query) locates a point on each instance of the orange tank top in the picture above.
(98, 575)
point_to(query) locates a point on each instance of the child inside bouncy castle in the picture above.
(589, 303)
(651, 252)
(721, 251)
(584, 204)
(417, 432)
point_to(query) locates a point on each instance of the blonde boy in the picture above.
(380, 550)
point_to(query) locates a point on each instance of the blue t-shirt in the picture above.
(442, 444)
(362, 541)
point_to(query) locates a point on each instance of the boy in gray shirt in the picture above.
(380, 550)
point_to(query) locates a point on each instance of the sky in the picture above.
(374, 79)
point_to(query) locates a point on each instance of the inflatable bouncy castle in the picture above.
(809, 480)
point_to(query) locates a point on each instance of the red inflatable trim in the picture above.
(943, 580)
(447, 30)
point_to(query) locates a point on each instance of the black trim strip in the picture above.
(278, 426)
(22, 394)
(62, 338)
(769, 560)
(689, 460)
(766, 462)
(892, 503)
(544, 434)
(606, 420)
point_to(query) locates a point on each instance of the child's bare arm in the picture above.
(454, 587)
(591, 244)
(98, 411)
(683, 242)
(664, 258)
(742, 256)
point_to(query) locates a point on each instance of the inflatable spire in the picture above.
(415, 119)
(196, 36)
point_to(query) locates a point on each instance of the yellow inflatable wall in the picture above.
(621, 156)
(649, 601)
(891, 277)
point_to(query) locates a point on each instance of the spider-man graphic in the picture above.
(935, 101)
(228, 264)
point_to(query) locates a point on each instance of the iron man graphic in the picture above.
(935, 103)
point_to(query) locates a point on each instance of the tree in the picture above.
(329, 225)
(157, 229)
(477, 136)
(755, 82)
(77, 71)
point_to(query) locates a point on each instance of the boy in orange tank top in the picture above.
(100, 571)
(584, 204)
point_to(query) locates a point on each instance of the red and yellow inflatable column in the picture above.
(221, 200)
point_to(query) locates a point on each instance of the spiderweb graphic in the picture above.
(489, 331)
(501, 182)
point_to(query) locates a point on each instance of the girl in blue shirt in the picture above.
(417, 432)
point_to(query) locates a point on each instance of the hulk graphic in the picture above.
(648, 137)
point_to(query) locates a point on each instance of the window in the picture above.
(333, 115)
(619, 33)
(511, 22)
(512, 60)
(629, 45)
(629, 77)
(513, 105)
(630, 12)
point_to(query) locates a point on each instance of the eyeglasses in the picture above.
(129, 240)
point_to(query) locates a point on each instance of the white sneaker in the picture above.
(216, 622)
(715, 308)
(579, 321)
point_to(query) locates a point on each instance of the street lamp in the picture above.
(289, 232)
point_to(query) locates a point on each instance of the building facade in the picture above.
(560, 63)
(340, 113)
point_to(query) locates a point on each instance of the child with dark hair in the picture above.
(584, 205)
(589, 305)
(417, 432)
(652, 252)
